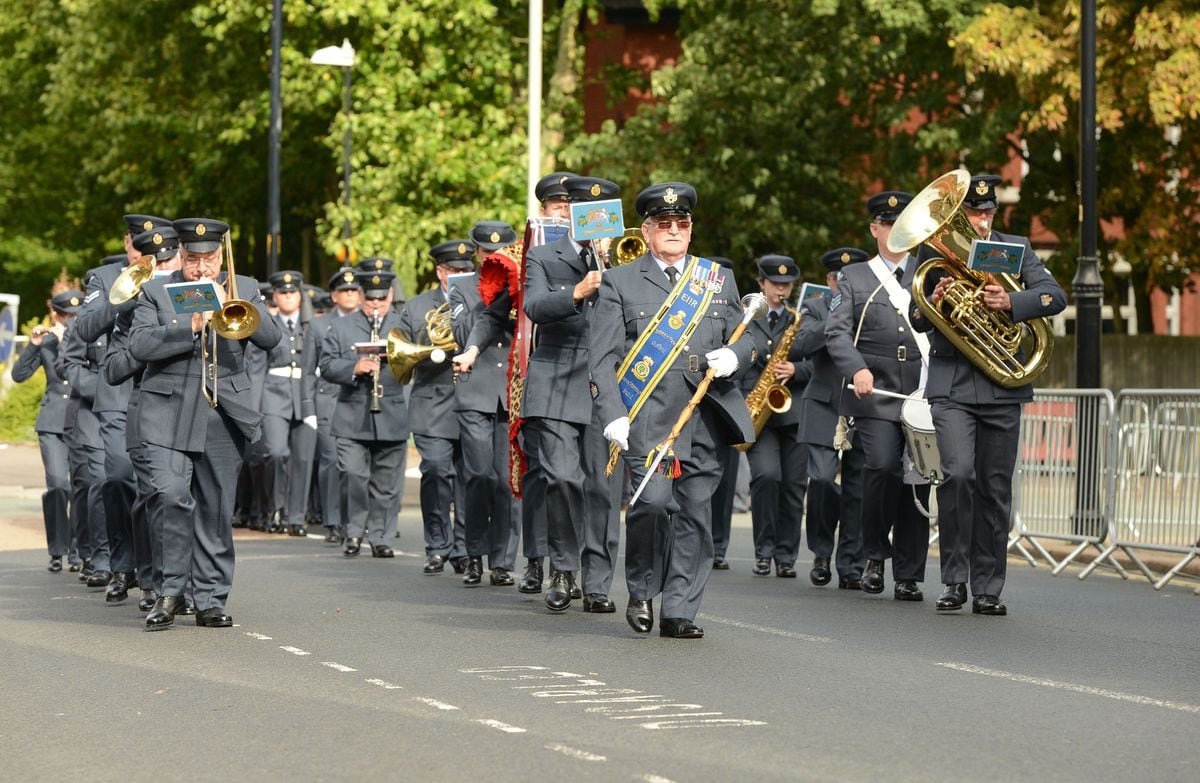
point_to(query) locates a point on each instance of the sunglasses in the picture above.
(375, 298)
(664, 224)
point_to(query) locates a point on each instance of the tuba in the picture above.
(990, 339)
(769, 395)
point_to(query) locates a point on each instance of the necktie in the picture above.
(672, 275)
(772, 320)
(899, 273)
(291, 325)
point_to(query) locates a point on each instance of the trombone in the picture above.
(236, 319)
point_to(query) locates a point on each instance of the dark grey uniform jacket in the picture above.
(485, 388)
(822, 395)
(766, 340)
(289, 398)
(326, 392)
(95, 321)
(886, 345)
(630, 296)
(353, 418)
(952, 375)
(52, 415)
(431, 402)
(171, 396)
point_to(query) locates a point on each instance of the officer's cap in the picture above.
(200, 235)
(67, 301)
(266, 292)
(492, 235)
(887, 206)
(551, 186)
(286, 280)
(666, 198)
(778, 269)
(162, 243)
(136, 224)
(376, 264)
(835, 259)
(455, 254)
(375, 284)
(982, 192)
(343, 280)
(581, 189)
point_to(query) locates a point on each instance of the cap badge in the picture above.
(75, 301)
(287, 278)
(783, 269)
(379, 263)
(462, 248)
(147, 225)
(311, 293)
(892, 201)
(158, 240)
(201, 230)
(595, 191)
(1047, 300)
(563, 179)
(375, 280)
(348, 277)
(495, 237)
(981, 188)
(670, 196)
(845, 258)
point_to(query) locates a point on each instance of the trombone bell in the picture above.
(236, 320)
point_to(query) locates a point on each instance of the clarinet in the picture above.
(376, 386)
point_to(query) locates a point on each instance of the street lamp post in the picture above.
(342, 57)
(273, 222)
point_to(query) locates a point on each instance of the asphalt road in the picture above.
(352, 669)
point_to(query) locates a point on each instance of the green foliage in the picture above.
(19, 406)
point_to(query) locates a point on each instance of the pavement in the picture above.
(360, 668)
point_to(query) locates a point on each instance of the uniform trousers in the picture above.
(602, 512)
(825, 507)
(552, 447)
(668, 532)
(722, 515)
(372, 471)
(151, 514)
(978, 449)
(438, 459)
(128, 539)
(329, 483)
(194, 491)
(91, 493)
(56, 498)
(888, 504)
(287, 446)
(778, 467)
(81, 480)
(534, 544)
(491, 513)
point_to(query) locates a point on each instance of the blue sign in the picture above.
(8, 332)
(597, 220)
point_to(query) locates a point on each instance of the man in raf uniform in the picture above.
(434, 423)
(641, 386)
(51, 423)
(196, 380)
(777, 458)
(371, 419)
(872, 343)
(818, 424)
(978, 423)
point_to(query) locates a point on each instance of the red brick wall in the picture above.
(645, 47)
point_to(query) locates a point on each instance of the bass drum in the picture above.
(916, 419)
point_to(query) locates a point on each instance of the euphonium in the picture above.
(769, 395)
(990, 339)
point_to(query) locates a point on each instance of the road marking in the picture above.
(495, 724)
(386, 685)
(653, 779)
(293, 650)
(338, 666)
(706, 723)
(1068, 686)
(575, 753)
(259, 636)
(807, 637)
(441, 705)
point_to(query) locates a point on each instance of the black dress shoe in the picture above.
(907, 590)
(275, 527)
(786, 570)
(639, 615)
(215, 617)
(872, 578)
(598, 603)
(74, 567)
(352, 547)
(989, 605)
(99, 579)
(820, 575)
(297, 530)
(85, 570)
(952, 598)
(558, 594)
(576, 593)
(531, 580)
(762, 567)
(382, 550)
(460, 564)
(118, 588)
(162, 614)
(55, 565)
(849, 583)
(332, 536)
(434, 564)
(188, 609)
(501, 578)
(474, 573)
(720, 563)
(679, 628)
(147, 602)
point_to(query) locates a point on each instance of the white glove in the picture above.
(723, 362)
(310, 421)
(617, 431)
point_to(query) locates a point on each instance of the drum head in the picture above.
(917, 414)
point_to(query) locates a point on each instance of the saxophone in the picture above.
(769, 395)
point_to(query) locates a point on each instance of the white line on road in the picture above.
(653, 779)
(441, 705)
(293, 650)
(259, 636)
(807, 637)
(575, 753)
(495, 724)
(386, 685)
(338, 666)
(1068, 686)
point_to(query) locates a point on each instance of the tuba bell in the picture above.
(990, 339)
